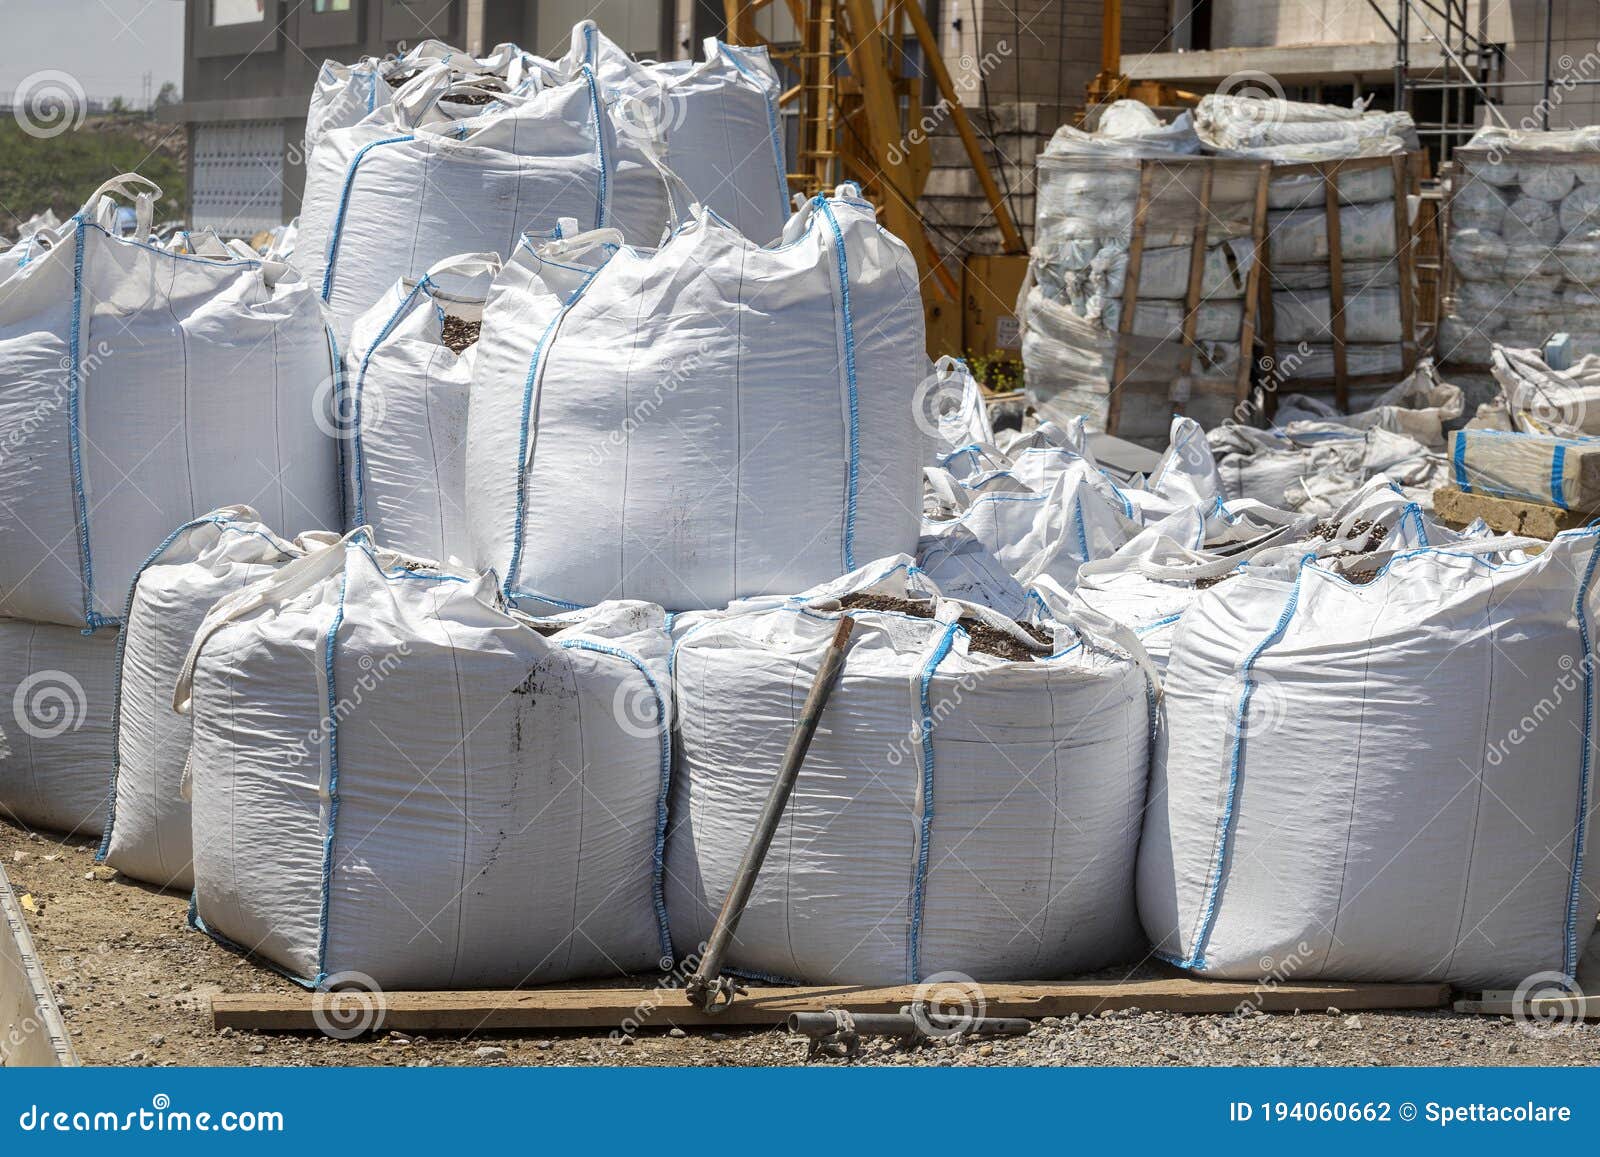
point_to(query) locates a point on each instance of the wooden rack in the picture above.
(1174, 194)
(1342, 381)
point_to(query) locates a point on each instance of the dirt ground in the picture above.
(134, 983)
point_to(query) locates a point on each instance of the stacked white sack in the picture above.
(1293, 133)
(1524, 242)
(699, 423)
(140, 388)
(405, 457)
(1297, 821)
(426, 178)
(713, 123)
(55, 742)
(957, 811)
(1247, 122)
(1071, 304)
(148, 833)
(533, 788)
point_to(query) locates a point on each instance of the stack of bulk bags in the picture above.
(138, 389)
(1381, 768)
(147, 833)
(699, 423)
(1080, 354)
(409, 377)
(957, 811)
(1363, 148)
(713, 123)
(1524, 242)
(533, 788)
(429, 177)
(56, 706)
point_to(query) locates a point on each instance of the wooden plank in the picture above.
(1403, 237)
(1505, 515)
(1330, 203)
(665, 1007)
(1195, 290)
(1504, 1002)
(1257, 288)
(1130, 296)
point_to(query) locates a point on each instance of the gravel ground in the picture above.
(134, 984)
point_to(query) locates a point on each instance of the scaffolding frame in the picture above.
(1470, 74)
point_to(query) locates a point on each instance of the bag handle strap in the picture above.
(465, 264)
(289, 581)
(125, 185)
(562, 248)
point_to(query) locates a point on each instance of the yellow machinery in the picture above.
(861, 119)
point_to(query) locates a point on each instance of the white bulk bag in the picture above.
(1380, 780)
(140, 388)
(55, 738)
(147, 833)
(408, 186)
(957, 811)
(507, 834)
(950, 403)
(1080, 515)
(698, 423)
(405, 462)
(346, 94)
(714, 122)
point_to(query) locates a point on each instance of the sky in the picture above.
(107, 45)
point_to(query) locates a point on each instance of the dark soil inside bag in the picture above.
(985, 639)
(459, 333)
(1374, 533)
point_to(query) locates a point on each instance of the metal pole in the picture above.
(708, 987)
(1549, 33)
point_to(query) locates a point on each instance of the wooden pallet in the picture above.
(663, 1008)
